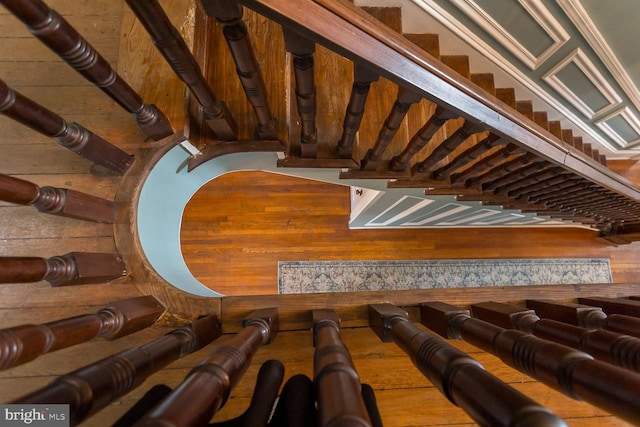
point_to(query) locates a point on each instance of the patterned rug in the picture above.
(296, 277)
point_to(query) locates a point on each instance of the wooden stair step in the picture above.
(430, 43)
(507, 95)
(541, 118)
(525, 108)
(389, 16)
(485, 81)
(555, 129)
(459, 64)
(567, 136)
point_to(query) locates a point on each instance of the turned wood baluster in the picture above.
(207, 387)
(24, 343)
(567, 194)
(614, 305)
(618, 349)
(400, 162)
(460, 378)
(517, 175)
(501, 168)
(57, 34)
(70, 135)
(468, 156)
(586, 316)
(229, 14)
(447, 146)
(536, 182)
(93, 387)
(74, 268)
(560, 185)
(302, 50)
(338, 387)
(362, 79)
(404, 100)
(569, 371)
(173, 48)
(486, 164)
(529, 179)
(58, 201)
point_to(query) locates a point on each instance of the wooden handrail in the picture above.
(24, 343)
(91, 388)
(344, 28)
(57, 201)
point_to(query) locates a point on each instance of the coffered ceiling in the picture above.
(577, 59)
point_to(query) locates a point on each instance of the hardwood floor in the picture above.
(237, 228)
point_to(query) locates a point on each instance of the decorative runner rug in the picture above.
(298, 277)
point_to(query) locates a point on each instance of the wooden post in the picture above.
(24, 343)
(72, 136)
(74, 268)
(206, 388)
(404, 100)
(338, 388)
(617, 349)
(173, 48)
(468, 156)
(362, 79)
(614, 305)
(57, 34)
(229, 14)
(586, 316)
(302, 50)
(58, 201)
(569, 371)
(460, 378)
(91, 388)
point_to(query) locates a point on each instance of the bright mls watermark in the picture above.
(34, 415)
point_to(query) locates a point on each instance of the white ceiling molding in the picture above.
(580, 18)
(461, 31)
(537, 11)
(632, 120)
(600, 83)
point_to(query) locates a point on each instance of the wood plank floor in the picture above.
(237, 228)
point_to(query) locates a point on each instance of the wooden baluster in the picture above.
(486, 164)
(302, 50)
(517, 175)
(24, 343)
(614, 305)
(57, 34)
(586, 316)
(542, 180)
(569, 371)
(58, 201)
(404, 100)
(531, 178)
(93, 387)
(566, 195)
(400, 162)
(173, 48)
(207, 387)
(447, 146)
(338, 388)
(501, 169)
(559, 186)
(460, 378)
(468, 156)
(618, 349)
(362, 79)
(229, 14)
(74, 268)
(70, 135)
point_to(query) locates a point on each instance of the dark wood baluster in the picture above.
(207, 387)
(400, 162)
(57, 34)
(486, 164)
(70, 135)
(545, 179)
(569, 371)
(447, 146)
(74, 268)
(362, 79)
(229, 14)
(517, 175)
(302, 50)
(337, 384)
(618, 349)
(621, 234)
(173, 48)
(58, 201)
(586, 316)
(614, 305)
(553, 187)
(567, 194)
(93, 387)
(373, 157)
(499, 167)
(468, 156)
(460, 378)
(24, 343)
